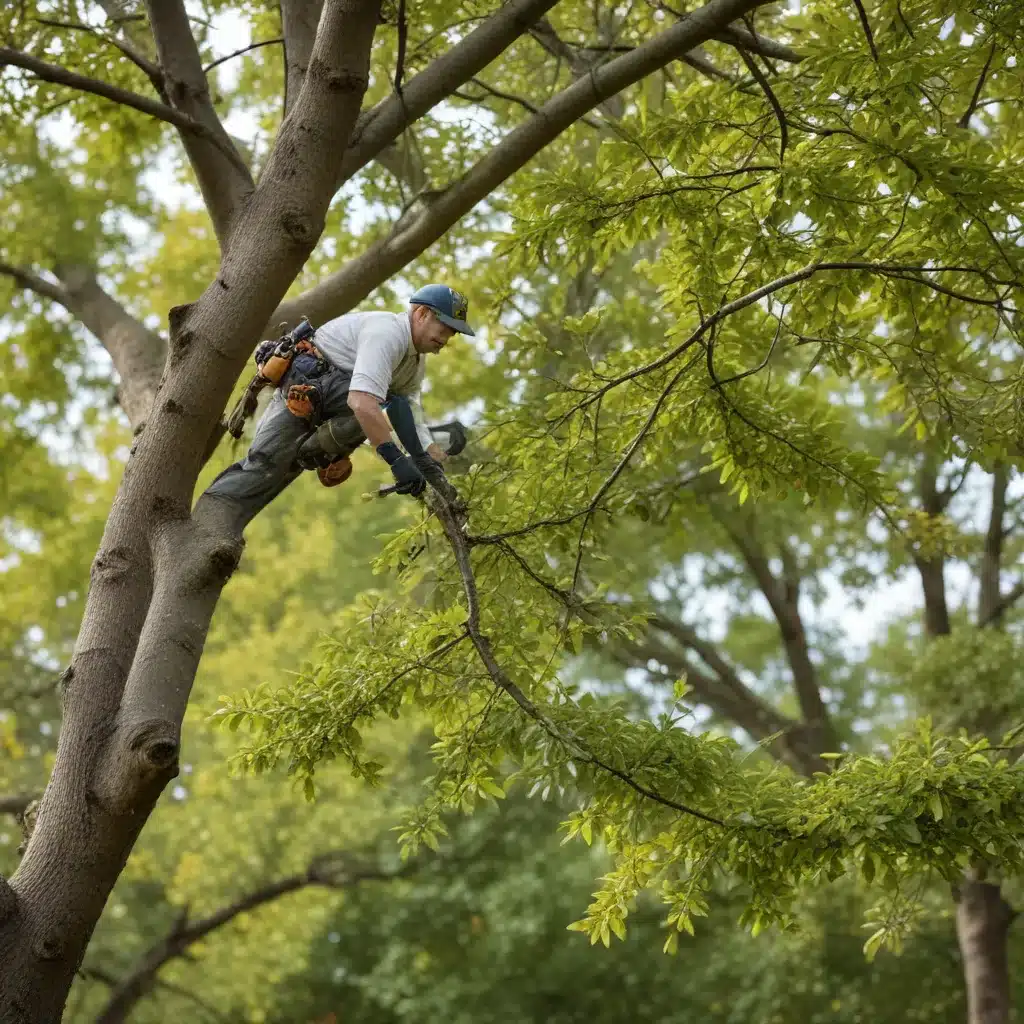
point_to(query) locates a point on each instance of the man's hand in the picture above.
(403, 469)
(435, 476)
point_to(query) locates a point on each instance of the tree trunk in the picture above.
(159, 571)
(983, 920)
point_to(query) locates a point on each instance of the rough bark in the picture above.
(299, 19)
(119, 744)
(983, 921)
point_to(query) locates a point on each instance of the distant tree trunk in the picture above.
(983, 921)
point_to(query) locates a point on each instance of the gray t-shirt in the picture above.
(378, 349)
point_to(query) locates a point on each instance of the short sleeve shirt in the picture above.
(377, 348)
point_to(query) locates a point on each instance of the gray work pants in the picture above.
(247, 487)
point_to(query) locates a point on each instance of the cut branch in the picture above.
(341, 291)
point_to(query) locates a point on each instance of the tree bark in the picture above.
(133, 664)
(983, 920)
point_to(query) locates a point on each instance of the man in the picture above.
(331, 398)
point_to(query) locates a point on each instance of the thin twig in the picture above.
(866, 25)
(238, 53)
(403, 31)
(973, 105)
(773, 100)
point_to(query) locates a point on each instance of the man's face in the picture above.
(428, 333)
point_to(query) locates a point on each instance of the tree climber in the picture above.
(332, 387)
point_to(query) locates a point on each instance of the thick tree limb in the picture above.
(382, 125)
(61, 76)
(120, 736)
(137, 352)
(342, 290)
(223, 176)
(330, 871)
(299, 19)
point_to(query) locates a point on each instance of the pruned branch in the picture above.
(333, 870)
(342, 290)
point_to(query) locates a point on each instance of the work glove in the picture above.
(403, 469)
(434, 474)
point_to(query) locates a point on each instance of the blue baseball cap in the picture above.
(448, 305)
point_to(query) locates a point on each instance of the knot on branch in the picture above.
(155, 746)
(111, 565)
(300, 229)
(49, 946)
(337, 81)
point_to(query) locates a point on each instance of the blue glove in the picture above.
(403, 469)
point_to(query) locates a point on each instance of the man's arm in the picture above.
(366, 409)
(430, 446)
